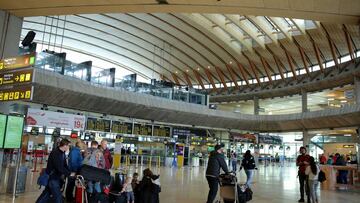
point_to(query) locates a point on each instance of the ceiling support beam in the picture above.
(187, 79)
(175, 77)
(252, 66)
(231, 72)
(318, 57)
(289, 59)
(264, 63)
(279, 67)
(242, 71)
(221, 76)
(208, 74)
(302, 54)
(349, 44)
(198, 78)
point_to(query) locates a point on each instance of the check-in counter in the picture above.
(331, 175)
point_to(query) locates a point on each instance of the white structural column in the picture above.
(306, 140)
(256, 106)
(10, 31)
(304, 100)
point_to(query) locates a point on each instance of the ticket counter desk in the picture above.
(331, 175)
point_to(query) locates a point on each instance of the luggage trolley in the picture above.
(228, 188)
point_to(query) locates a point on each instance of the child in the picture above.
(312, 171)
(129, 190)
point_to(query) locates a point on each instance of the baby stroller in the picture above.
(228, 188)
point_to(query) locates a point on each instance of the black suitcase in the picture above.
(244, 194)
(91, 173)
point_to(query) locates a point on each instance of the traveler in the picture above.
(330, 160)
(248, 163)
(233, 160)
(216, 161)
(58, 171)
(312, 171)
(148, 188)
(107, 155)
(75, 162)
(128, 189)
(94, 158)
(134, 185)
(303, 161)
(323, 159)
(342, 177)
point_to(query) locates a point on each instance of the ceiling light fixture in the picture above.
(331, 99)
(343, 101)
(208, 67)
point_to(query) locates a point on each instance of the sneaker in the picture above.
(301, 200)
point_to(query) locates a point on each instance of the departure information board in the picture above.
(96, 124)
(142, 129)
(121, 127)
(16, 77)
(17, 62)
(161, 131)
(24, 92)
(14, 131)
(2, 129)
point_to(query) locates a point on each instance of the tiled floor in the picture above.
(272, 184)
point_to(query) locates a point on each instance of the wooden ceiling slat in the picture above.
(318, 57)
(187, 79)
(175, 77)
(266, 68)
(349, 43)
(302, 54)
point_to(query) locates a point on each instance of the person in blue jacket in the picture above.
(75, 163)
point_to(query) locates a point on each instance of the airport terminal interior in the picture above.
(266, 90)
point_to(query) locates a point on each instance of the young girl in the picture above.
(129, 190)
(312, 171)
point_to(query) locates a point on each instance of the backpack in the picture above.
(321, 176)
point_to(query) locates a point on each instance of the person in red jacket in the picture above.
(303, 161)
(107, 155)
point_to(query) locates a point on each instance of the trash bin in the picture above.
(21, 181)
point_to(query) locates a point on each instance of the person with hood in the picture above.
(216, 161)
(248, 163)
(148, 188)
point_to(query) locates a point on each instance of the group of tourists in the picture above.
(65, 162)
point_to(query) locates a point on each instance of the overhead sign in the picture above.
(121, 128)
(2, 129)
(18, 93)
(16, 77)
(141, 129)
(55, 119)
(14, 131)
(98, 124)
(17, 62)
(161, 131)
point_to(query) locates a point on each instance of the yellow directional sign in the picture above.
(19, 93)
(17, 62)
(16, 77)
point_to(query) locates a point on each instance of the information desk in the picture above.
(331, 174)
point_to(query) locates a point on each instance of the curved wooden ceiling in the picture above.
(336, 11)
(204, 49)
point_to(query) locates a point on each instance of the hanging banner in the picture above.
(55, 119)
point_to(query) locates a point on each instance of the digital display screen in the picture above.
(17, 62)
(96, 124)
(14, 131)
(2, 129)
(140, 129)
(16, 77)
(121, 128)
(161, 131)
(17, 93)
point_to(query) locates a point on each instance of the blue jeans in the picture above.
(234, 163)
(249, 177)
(313, 185)
(91, 186)
(54, 190)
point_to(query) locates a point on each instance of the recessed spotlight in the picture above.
(176, 72)
(187, 70)
(208, 67)
(230, 62)
(198, 68)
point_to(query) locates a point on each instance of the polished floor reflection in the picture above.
(272, 184)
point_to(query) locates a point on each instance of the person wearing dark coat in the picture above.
(216, 161)
(149, 188)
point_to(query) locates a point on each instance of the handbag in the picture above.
(43, 179)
